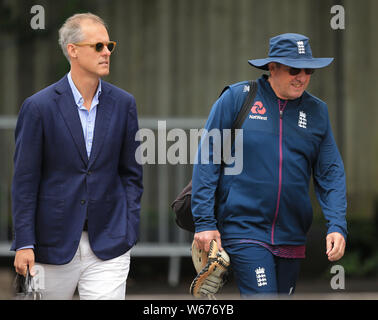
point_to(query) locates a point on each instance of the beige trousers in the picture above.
(95, 279)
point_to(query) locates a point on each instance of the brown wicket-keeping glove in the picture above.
(211, 268)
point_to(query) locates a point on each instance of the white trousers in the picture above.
(94, 278)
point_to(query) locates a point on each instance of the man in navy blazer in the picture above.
(77, 184)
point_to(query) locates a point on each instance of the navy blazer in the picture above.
(55, 185)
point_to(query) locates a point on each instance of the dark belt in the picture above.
(85, 227)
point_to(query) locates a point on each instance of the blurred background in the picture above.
(175, 57)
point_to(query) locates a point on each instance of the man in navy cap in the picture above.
(264, 213)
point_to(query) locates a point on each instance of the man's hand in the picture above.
(202, 239)
(335, 246)
(23, 259)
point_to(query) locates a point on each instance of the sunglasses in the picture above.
(99, 46)
(295, 71)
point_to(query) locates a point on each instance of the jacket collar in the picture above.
(68, 109)
(62, 86)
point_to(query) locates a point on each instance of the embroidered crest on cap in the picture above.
(301, 48)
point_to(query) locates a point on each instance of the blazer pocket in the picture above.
(49, 221)
(117, 216)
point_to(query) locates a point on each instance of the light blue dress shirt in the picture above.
(87, 119)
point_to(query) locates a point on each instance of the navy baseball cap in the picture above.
(293, 50)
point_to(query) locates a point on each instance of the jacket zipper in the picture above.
(281, 109)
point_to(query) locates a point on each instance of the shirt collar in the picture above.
(78, 97)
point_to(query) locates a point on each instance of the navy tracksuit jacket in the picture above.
(284, 143)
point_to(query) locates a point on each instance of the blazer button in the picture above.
(89, 173)
(82, 201)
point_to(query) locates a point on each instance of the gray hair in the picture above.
(70, 32)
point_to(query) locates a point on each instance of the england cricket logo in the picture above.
(302, 120)
(261, 277)
(301, 48)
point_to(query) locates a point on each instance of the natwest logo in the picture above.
(258, 108)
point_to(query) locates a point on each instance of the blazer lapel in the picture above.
(103, 116)
(68, 109)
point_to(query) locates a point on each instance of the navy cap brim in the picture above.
(313, 63)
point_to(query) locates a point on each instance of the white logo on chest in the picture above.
(302, 120)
